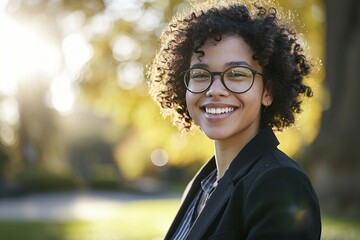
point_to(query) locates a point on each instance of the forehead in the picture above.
(231, 48)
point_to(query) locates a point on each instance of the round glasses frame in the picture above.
(221, 74)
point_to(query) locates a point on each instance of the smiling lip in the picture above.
(218, 112)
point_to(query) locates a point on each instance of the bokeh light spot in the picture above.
(159, 157)
(130, 74)
(126, 48)
(62, 94)
(9, 111)
(77, 51)
(7, 135)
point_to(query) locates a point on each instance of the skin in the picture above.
(233, 130)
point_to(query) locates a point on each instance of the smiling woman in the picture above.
(236, 71)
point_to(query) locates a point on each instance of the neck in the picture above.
(226, 151)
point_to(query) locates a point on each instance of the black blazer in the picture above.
(263, 195)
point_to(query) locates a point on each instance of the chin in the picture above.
(216, 135)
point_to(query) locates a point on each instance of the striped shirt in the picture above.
(208, 185)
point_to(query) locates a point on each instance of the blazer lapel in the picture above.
(241, 165)
(212, 208)
(190, 193)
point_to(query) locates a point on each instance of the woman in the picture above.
(236, 72)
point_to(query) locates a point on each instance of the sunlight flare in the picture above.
(23, 54)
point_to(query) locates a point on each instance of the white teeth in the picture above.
(219, 110)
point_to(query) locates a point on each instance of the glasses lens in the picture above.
(197, 79)
(238, 79)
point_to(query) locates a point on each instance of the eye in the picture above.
(199, 75)
(238, 74)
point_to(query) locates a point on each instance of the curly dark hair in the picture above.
(274, 44)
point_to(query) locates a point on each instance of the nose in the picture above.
(217, 88)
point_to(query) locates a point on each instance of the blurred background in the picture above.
(84, 151)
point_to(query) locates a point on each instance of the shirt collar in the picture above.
(207, 184)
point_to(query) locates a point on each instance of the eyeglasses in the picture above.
(238, 79)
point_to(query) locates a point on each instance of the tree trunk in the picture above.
(336, 155)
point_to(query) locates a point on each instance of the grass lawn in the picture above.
(139, 220)
(136, 220)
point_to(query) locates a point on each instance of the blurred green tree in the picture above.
(336, 156)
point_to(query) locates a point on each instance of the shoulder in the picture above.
(278, 194)
(275, 164)
(276, 179)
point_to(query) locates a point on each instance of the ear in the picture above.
(267, 97)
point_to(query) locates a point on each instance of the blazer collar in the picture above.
(262, 143)
(265, 141)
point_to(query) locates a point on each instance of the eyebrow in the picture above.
(237, 63)
(200, 65)
(228, 64)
